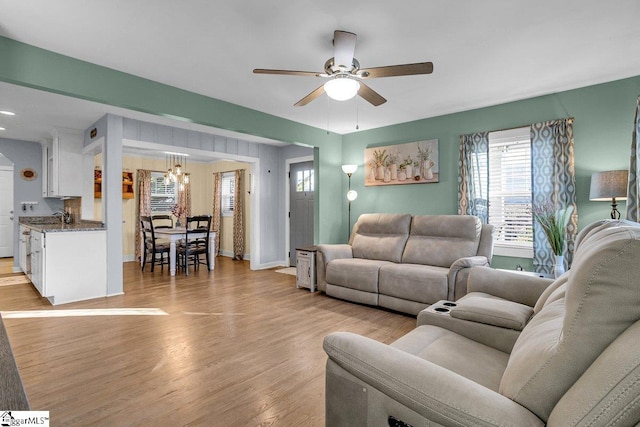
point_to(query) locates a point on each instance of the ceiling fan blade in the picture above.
(344, 47)
(286, 72)
(307, 99)
(370, 95)
(397, 70)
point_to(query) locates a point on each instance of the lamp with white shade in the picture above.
(609, 185)
(351, 194)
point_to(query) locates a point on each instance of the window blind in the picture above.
(510, 187)
(163, 196)
(228, 190)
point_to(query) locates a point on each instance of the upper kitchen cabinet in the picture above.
(61, 165)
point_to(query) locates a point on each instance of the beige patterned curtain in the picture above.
(238, 216)
(217, 209)
(144, 204)
(184, 203)
(633, 192)
(553, 181)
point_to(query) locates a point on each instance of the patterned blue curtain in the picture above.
(633, 203)
(553, 181)
(473, 175)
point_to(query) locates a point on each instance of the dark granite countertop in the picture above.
(49, 224)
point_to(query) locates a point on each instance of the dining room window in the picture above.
(228, 190)
(163, 195)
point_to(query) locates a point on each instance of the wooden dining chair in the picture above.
(152, 247)
(194, 248)
(162, 221)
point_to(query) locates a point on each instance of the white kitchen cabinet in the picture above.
(22, 248)
(63, 167)
(37, 262)
(69, 266)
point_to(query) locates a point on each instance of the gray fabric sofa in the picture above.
(575, 360)
(405, 263)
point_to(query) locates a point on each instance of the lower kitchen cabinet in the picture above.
(69, 266)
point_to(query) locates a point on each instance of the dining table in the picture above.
(179, 233)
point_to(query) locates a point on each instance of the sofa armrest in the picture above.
(433, 392)
(508, 285)
(497, 337)
(492, 311)
(324, 255)
(457, 281)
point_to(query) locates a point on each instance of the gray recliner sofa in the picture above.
(575, 360)
(405, 263)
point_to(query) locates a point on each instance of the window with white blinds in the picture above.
(228, 190)
(163, 196)
(510, 191)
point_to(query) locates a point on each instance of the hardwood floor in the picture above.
(236, 348)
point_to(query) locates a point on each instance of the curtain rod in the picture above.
(570, 119)
(232, 170)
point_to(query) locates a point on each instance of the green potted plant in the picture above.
(554, 224)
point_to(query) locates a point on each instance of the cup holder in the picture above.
(441, 310)
(449, 304)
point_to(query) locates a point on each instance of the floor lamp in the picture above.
(351, 194)
(609, 185)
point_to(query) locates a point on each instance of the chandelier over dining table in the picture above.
(176, 170)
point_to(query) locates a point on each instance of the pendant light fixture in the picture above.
(176, 172)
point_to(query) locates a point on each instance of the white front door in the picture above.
(6, 212)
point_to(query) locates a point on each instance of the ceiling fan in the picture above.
(345, 75)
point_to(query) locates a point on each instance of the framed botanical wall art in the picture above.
(410, 163)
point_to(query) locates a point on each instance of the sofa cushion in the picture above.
(355, 273)
(601, 301)
(414, 282)
(451, 351)
(441, 239)
(380, 236)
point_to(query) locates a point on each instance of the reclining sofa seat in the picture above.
(405, 263)
(575, 363)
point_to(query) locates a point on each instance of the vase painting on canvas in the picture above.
(410, 163)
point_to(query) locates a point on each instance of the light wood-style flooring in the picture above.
(236, 348)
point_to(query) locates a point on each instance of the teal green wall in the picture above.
(37, 68)
(602, 132)
(603, 125)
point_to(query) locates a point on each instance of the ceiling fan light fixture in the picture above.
(341, 88)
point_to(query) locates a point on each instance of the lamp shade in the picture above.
(341, 88)
(352, 195)
(609, 185)
(349, 169)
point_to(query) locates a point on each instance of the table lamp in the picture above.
(609, 185)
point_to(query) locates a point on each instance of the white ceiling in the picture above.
(484, 53)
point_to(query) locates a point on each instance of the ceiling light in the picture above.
(341, 87)
(1, 128)
(7, 113)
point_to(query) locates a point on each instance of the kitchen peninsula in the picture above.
(65, 262)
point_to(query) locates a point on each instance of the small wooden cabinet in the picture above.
(306, 268)
(127, 184)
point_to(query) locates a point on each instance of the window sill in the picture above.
(500, 249)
